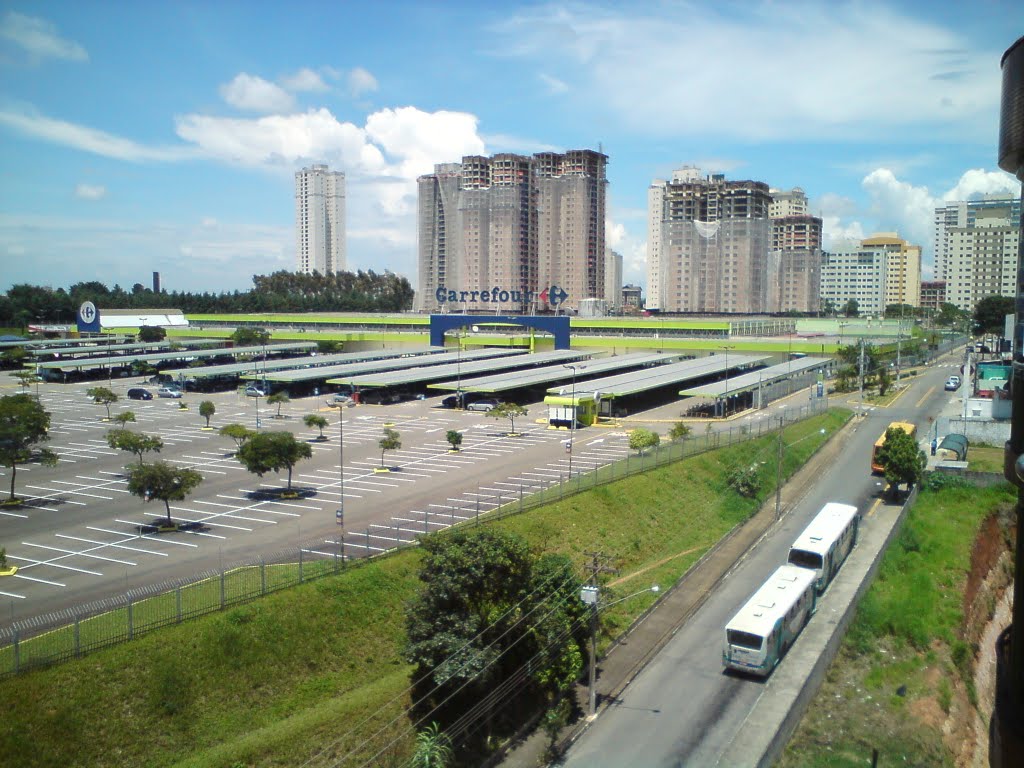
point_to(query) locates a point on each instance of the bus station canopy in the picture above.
(98, 349)
(421, 374)
(516, 379)
(754, 379)
(313, 361)
(331, 373)
(59, 344)
(120, 361)
(635, 382)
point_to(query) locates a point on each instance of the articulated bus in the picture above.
(764, 628)
(825, 542)
(910, 429)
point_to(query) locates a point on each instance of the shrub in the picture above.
(746, 481)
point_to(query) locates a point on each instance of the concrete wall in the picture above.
(991, 432)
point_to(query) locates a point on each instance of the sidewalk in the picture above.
(630, 654)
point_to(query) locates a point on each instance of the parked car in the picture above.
(168, 392)
(340, 399)
(138, 393)
(482, 405)
(952, 383)
(452, 401)
(254, 391)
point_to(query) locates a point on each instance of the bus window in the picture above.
(805, 559)
(744, 639)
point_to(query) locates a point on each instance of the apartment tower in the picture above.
(518, 223)
(794, 265)
(319, 220)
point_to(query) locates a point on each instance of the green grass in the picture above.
(985, 459)
(271, 682)
(905, 634)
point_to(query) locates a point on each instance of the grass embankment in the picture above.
(984, 458)
(893, 683)
(272, 682)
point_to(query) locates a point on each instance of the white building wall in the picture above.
(319, 220)
(655, 204)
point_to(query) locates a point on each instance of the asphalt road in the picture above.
(77, 539)
(683, 710)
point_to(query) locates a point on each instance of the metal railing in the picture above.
(57, 637)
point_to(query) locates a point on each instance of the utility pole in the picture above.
(778, 472)
(861, 375)
(590, 594)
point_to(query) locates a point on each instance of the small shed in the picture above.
(953, 447)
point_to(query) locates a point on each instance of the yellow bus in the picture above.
(910, 429)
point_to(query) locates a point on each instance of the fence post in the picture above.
(177, 603)
(131, 619)
(367, 543)
(78, 637)
(263, 573)
(520, 493)
(300, 564)
(222, 589)
(17, 654)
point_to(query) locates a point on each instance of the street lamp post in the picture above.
(340, 513)
(725, 402)
(572, 424)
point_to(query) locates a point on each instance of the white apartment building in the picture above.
(319, 220)
(976, 246)
(880, 270)
(787, 202)
(613, 279)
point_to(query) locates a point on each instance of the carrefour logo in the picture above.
(553, 295)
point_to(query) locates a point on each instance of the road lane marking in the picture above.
(874, 506)
(925, 395)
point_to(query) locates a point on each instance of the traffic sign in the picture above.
(88, 318)
(339, 516)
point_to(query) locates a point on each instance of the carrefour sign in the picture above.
(553, 295)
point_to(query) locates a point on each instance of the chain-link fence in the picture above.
(53, 638)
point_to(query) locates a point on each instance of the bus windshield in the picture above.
(744, 639)
(805, 559)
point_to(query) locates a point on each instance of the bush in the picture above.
(746, 481)
(940, 481)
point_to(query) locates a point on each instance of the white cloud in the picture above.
(505, 142)
(360, 81)
(614, 234)
(845, 70)
(87, 139)
(978, 181)
(90, 191)
(255, 94)
(553, 84)
(39, 38)
(208, 222)
(304, 80)
(419, 139)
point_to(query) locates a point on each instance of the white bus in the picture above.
(825, 542)
(763, 629)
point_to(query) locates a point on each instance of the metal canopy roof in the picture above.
(317, 361)
(749, 381)
(516, 379)
(58, 343)
(447, 371)
(331, 372)
(661, 376)
(122, 360)
(105, 349)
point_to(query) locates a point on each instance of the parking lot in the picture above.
(77, 538)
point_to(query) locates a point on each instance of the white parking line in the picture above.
(110, 544)
(11, 594)
(20, 575)
(81, 553)
(52, 563)
(145, 537)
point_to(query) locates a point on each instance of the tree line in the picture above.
(279, 292)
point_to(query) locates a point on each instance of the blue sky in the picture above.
(164, 135)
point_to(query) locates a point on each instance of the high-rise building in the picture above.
(708, 242)
(613, 279)
(794, 266)
(933, 294)
(515, 223)
(880, 270)
(319, 220)
(976, 248)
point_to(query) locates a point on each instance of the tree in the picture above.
(278, 399)
(488, 612)
(315, 420)
(133, 442)
(950, 315)
(901, 459)
(893, 311)
(326, 347)
(237, 432)
(163, 481)
(828, 307)
(990, 314)
(25, 379)
(641, 439)
(433, 749)
(13, 356)
(103, 396)
(151, 333)
(884, 380)
(507, 411)
(851, 308)
(24, 423)
(454, 438)
(250, 337)
(679, 431)
(390, 442)
(271, 452)
(124, 417)
(206, 410)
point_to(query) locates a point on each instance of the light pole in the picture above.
(572, 424)
(340, 513)
(590, 595)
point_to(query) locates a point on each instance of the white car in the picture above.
(482, 405)
(252, 391)
(168, 392)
